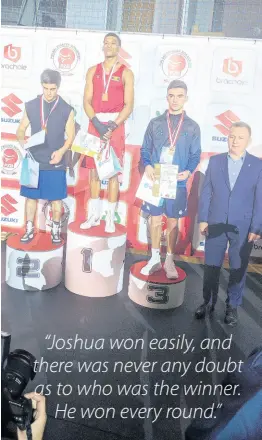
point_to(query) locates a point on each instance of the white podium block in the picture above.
(156, 291)
(95, 260)
(33, 266)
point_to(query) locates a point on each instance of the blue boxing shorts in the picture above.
(51, 186)
(172, 208)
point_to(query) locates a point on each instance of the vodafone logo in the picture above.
(11, 105)
(226, 120)
(7, 205)
(232, 67)
(12, 53)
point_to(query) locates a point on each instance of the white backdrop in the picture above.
(223, 78)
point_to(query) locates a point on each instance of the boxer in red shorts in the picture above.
(108, 102)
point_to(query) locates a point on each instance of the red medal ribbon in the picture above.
(106, 84)
(173, 136)
(43, 121)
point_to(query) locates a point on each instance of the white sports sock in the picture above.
(29, 224)
(94, 206)
(155, 255)
(112, 209)
(169, 255)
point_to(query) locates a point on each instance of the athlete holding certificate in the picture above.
(172, 138)
(50, 115)
(108, 102)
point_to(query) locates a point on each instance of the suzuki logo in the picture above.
(123, 56)
(11, 102)
(12, 53)
(227, 119)
(232, 67)
(7, 203)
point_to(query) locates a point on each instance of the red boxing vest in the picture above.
(115, 101)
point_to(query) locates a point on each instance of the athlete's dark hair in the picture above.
(112, 34)
(242, 125)
(50, 76)
(177, 84)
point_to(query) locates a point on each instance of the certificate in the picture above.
(87, 144)
(165, 184)
(36, 139)
(144, 192)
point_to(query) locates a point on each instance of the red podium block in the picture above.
(156, 291)
(95, 260)
(33, 266)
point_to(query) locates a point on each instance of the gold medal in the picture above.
(105, 97)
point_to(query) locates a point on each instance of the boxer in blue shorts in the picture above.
(172, 138)
(51, 113)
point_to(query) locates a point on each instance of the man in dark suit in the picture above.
(230, 213)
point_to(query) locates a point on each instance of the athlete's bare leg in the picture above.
(172, 234)
(113, 191)
(30, 211)
(93, 214)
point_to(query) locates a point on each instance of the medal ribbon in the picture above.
(43, 121)
(106, 85)
(173, 136)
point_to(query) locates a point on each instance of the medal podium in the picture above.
(156, 291)
(33, 266)
(95, 260)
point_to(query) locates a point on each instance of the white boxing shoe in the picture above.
(110, 224)
(92, 221)
(170, 268)
(151, 267)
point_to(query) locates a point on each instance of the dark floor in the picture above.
(30, 316)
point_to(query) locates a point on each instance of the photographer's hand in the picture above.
(38, 425)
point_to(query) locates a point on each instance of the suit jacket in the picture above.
(242, 205)
(240, 416)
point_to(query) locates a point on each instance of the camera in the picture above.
(17, 368)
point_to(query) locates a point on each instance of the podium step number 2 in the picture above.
(33, 266)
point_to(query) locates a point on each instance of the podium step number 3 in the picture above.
(156, 291)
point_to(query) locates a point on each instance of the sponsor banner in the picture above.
(219, 118)
(76, 101)
(120, 214)
(136, 125)
(223, 86)
(171, 64)
(257, 249)
(45, 216)
(12, 209)
(11, 160)
(233, 70)
(130, 56)
(17, 57)
(12, 108)
(67, 56)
